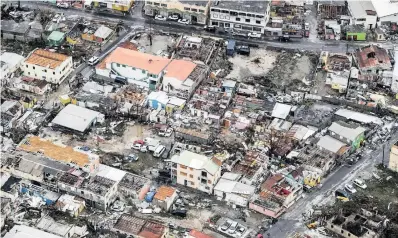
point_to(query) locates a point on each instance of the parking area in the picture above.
(232, 228)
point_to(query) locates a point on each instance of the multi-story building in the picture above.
(249, 16)
(46, 65)
(195, 11)
(351, 134)
(195, 171)
(393, 161)
(363, 13)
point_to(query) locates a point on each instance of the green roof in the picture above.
(56, 36)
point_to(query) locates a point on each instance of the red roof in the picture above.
(198, 234)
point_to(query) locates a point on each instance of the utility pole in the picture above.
(384, 148)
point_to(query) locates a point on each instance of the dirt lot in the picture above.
(158, 43)
(258, 63)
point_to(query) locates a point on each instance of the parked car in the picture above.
(210, 28)
(243, 50)
(254, 35)
(350, 188)
(160, 18)
(93, 61)
(225, 226)
(184, 21)
(63, 5)
(131, 157)
(240, 230)
(179, 213)
(166, 132)
(144, 149)
(136, 146)
(173, 18)
(233, 227)
(360, 183)
(342, 195)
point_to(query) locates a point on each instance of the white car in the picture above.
(63, 5)
(184, 21)
(173, 17)
(350, 188)
(93, 61)
(360, 183)
(166, 133)
(136, 146)
(160, 18)
(144, 149)
(254, 35)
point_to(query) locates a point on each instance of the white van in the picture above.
(159, 151)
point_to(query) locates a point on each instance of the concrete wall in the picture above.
(265, 211)
(51, 75)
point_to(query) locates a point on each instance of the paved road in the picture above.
(290, 222)
(135, 18)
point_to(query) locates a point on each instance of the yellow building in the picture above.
(118, 5)
(393, 162)
(195, 11)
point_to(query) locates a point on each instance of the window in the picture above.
(124, 66)
(237, 26)
(237, 19)
(215, 10)
(192, 183)
(256, 29)
(53, 73)
(258, 22)
(224, 11)
(209, 181)
(203, 181)
(82, 192)
(156, 4)
(191, 175)
(191, 169)
(342, 231)
(183, 166)
(233, 13)
(214, 23)
(34, 67)
(183, 174)
(28, 73)
(250, 15)
(331, 226)
(226, 25)
(194, 10)
(187, 8)
(163, 5)
(242, 14)
(215, 15)
(202, 11)
(204, 174)
(361, 19)
(27, 66)
(247, 20)
(143, 71)
(207, 187)
(149, 3)
(118, 65)
(259, 16)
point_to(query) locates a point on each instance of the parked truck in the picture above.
(151, 143)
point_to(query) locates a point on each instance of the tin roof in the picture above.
(45, 58)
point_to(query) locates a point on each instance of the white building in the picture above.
(387, 11)
(233, 191)
(363, 13)
(9, 63)
(248, 16)
(46, 65)
(195, 171)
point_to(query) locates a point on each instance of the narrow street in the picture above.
(291, 221)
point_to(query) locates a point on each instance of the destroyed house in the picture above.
(36, 168)
(10, 112)
(251, 168)
(61, 228)
(337, 62)
(138, 227)
(234, 191)
(372, 60)
(267, 204)
(283, 187)
(195, 48)
(354, 225)
(47, 196)
(165, 197)
(315, 159)
(23, 231)
(12, 30)
(46, 65)
(133, 185)
(73, 157)
(332, 9)
(194, 136)
(76, 119)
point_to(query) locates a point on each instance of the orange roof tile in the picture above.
(151, 63)
(180, 69)
(164, 192)
(64, 154)
(198, 234)
(46, 58)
